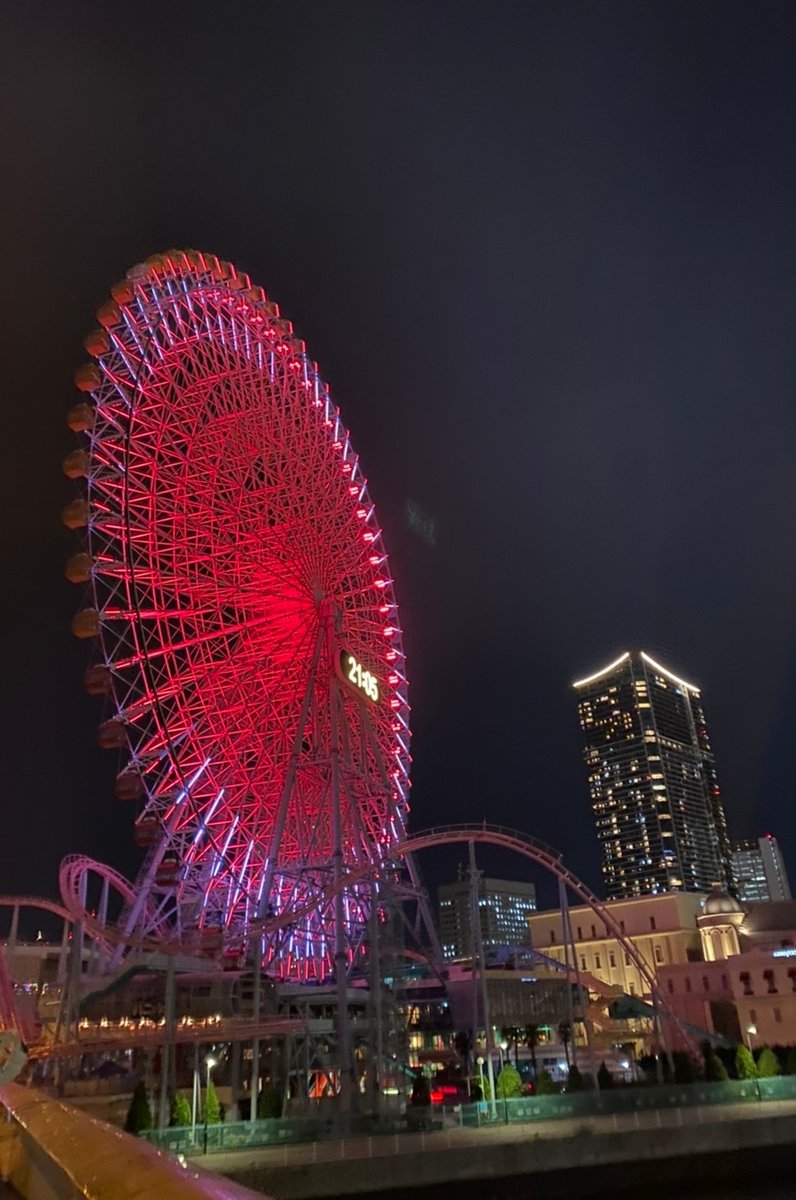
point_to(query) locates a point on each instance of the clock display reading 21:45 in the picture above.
(359, 677)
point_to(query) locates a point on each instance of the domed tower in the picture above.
(719, 926)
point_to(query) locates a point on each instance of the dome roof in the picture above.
(719, 902)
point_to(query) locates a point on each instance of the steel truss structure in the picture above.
(234, 565)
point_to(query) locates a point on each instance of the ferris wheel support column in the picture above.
(340, 938)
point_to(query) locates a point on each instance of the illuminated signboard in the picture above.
(362, 680)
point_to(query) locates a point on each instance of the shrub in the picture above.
(545, 1085)
(139, 1115)
(767, 1063)
(575, 1080)
(180, 1110)
(508, 1085)
(715, 1070)
(211, 1109)
(269, 1104)
(684, 1069)
(745, 1065)
(421, 1093)
(605, 1079)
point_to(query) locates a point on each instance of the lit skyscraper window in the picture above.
(652, 780)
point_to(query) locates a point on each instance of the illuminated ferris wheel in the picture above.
(239, 593)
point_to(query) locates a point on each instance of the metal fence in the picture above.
(238, 1135)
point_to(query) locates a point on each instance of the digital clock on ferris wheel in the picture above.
(361, 679)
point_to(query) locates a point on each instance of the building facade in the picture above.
(504, 907)
(759, 871)
(652, 781)
(662, 929)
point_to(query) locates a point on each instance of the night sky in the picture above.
(544, 253)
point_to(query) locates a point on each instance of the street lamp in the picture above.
(480, 1061)
(210, 1062)
(503, 1048)
(751, 1031)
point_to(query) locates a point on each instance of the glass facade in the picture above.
(504, 907)
(652, 781)
(759, 871)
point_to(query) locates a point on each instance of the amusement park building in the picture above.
(652, 780)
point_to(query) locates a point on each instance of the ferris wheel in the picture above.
(239, 596)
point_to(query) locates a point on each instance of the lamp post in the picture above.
(503, 1048)
(210, 1062)
(751, 1031)
(480, 1062)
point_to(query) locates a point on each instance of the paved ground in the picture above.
(350, 1149)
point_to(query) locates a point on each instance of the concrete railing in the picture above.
(50, 1151)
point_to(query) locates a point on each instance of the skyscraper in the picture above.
(759, 871)
(652, 780)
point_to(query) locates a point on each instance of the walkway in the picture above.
(337, 1167)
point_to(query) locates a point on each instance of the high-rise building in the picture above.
(504, 907)
(652, 780)
(759, 871)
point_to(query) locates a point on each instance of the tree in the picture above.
(531, 1038)
(575, 1080)
(565, 1033)
(269, 1104)
(684, 1069)
(513, 1035)
(461, 1044)
(767, 1063)
(715, 1070)
(545, 1085)
(605, 1079)
(180, 1110)
(139, 1115)
(508, 1085)
(421, 1093)
(745, 1066)
(211, 1108)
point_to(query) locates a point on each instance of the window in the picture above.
(632, 989)
(593, 931)
(753, 1016)
(612, 959)
(622, 926)
(658, 954)
(627, 960)
(583, 962)
(746, 983)
(652, 924)
(552, 937)
(725, 983)
(670, 985)
(771, 982)
(688, 985)
(580, 934)
(792, 973)
(597, 963)
(777, 1016)
(706, 983)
